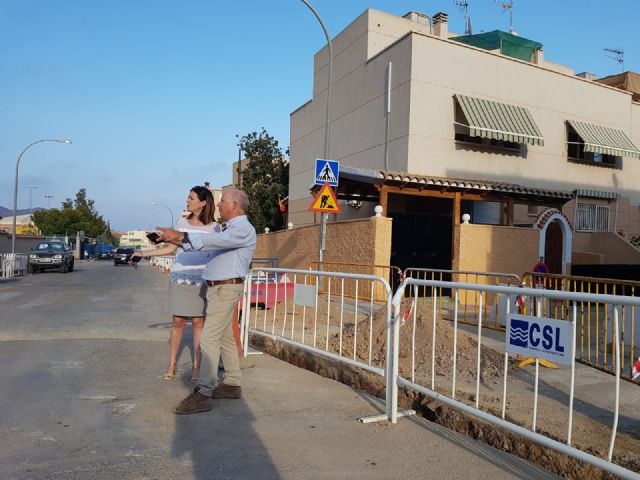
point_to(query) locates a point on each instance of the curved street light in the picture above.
(165, 206)
(327, 129)
(15, 188)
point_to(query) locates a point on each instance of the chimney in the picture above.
(586, 75)
(441, 25)
(538, 56)
(418, 17)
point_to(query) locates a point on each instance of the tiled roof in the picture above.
(385, 176)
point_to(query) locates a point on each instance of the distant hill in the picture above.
(8, 212)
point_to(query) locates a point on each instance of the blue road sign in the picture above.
(327, 171)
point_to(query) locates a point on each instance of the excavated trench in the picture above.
(491, 373)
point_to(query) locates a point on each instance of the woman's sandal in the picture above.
(171, 372)
(195, 373)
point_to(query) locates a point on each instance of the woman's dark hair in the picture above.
(207, 215)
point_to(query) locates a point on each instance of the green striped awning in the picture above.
(598, 139)
(499, 121)
(581, 192)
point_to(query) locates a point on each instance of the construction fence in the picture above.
(469, 367)
(13, 264)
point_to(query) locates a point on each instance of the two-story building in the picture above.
(433, 125)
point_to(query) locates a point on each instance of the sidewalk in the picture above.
(305, 426)
(290, 424)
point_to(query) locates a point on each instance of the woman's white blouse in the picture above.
(189, 265)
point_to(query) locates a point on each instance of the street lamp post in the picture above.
(30, 187)
(327, 128)
(48, 197)
(15, 188)
(165, 206)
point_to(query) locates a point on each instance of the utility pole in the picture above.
(327, 128)
(30, 187)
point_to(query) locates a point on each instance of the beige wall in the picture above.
(603, 247)
(364, 241)
(551, 97)
(427, 72)
(483, 248)
(23, 242)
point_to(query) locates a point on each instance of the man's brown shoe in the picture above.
(226, 391)
(193, 403)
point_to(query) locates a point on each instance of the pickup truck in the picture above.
(49, 255)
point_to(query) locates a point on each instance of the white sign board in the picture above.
(540, 338)
(304, 295)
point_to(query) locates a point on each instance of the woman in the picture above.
(187, 290)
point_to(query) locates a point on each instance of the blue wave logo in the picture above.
(519, 333)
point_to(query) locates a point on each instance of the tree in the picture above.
(265, 180)
(75, 215)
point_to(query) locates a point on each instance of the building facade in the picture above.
(433, 125)
(579, 136)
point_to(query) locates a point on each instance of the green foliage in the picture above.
(264, 180)
(75, 215)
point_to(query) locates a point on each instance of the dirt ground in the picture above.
(334, 326)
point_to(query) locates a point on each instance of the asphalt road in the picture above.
(82, 397)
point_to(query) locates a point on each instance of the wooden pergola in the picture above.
(376, 186)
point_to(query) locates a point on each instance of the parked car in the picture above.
(104, 251)
(122, 256)
(51, 254)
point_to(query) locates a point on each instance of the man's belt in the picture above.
(231, 281)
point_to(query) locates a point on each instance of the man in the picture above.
(231, 258)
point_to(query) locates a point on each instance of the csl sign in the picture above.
(540, 338)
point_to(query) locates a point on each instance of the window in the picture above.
(592, 218)
(486, 142)
(532, 210)
(575, 152)
(462, 134)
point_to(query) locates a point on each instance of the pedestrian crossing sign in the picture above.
(325, 201)
(327, 171)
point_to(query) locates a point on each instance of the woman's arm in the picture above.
(168, 249)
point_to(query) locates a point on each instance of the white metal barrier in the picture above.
(493, 310)
(408, 378)
(164, 262)
(13, 264)
(297, 307)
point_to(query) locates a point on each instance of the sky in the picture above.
(152, 93)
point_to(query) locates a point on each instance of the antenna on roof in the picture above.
(508, 5)
(617, 55)
(464, 5)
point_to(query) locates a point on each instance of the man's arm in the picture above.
(242, 235)
(238, 236)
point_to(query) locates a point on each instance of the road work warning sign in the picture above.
(325, 201)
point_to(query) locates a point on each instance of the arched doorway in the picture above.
(556, 240)
(553, 248)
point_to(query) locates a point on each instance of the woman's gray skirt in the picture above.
(187, 300)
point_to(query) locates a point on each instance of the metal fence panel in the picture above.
(393, 276)
(332, 314)
(13, 264)
(421, 347)
(595, 331)
(493, 308)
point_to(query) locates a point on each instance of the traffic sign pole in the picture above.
(323, 238)
(327, 171)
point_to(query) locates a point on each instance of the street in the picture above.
(82, 356)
